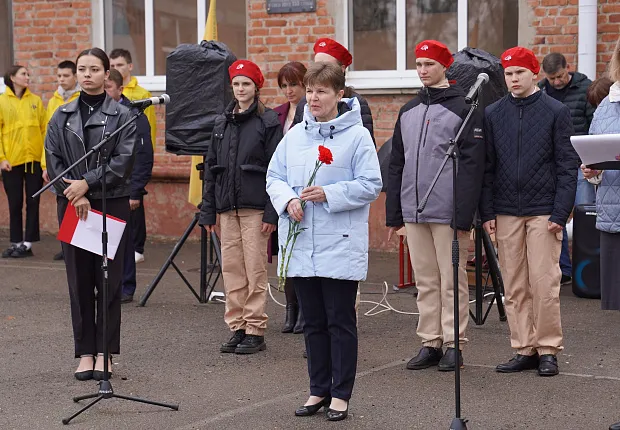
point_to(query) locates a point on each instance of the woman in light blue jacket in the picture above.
(330, 256)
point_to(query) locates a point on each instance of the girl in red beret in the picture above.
(243, 141)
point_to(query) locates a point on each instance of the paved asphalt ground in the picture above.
(170, 353)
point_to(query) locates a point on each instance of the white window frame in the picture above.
(149, 81)
(401, 78)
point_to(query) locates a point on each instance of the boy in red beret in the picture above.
(422, 136)
(528, 193)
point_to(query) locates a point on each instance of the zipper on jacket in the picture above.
(519, 161)
(83, 146)
(428, 122)
(417, 161)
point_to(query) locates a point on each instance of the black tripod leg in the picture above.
(169, 261)
(496, 275)
(203, 266)
(148, 402)
(87, 396)
(68, 420)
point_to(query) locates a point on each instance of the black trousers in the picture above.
(28, 176)
(138, 228)
(84, 277)
(129, 269)
(330, 332)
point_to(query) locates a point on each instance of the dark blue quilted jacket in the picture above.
(531, 166)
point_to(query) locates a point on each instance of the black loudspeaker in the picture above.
(586, 253)
(198, 84)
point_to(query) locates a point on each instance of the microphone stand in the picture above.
(458, 423)
(105, 387)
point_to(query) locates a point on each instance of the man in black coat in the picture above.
(527, 195)
(140, 176)
(570, 88)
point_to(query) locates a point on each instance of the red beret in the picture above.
(521, 57)
(335, 49)
(435, 51)
(249, 70)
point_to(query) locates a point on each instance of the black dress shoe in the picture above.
(98, 375)
(290, 318)
(232, 343)
(615, 426)
(299, 325)
(126, 298)
(59, 256)
(427, 357)
(251, 345)
(446, 364)
(307, 411)
(7, 252)
(548, 365)
(22, 252)
(334, 415)
(85, 375)
(519, 363)
(566, 279)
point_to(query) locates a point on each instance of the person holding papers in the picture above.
(73, 129)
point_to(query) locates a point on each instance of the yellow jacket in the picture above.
(22, 126)
(133, 91)
(55, 102)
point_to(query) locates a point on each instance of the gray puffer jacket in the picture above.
(608, 195)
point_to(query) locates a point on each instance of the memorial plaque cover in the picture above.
(290, 6)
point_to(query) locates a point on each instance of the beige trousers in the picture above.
(430, 247)
(528, 256)
(244, 270)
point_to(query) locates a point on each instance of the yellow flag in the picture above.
(195, 184)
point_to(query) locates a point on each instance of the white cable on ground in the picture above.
(384, 304)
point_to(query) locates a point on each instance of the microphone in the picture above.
(164, 99)
(483, 78)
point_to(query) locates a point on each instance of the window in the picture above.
(6, 44)
(151, 29)
(382, 34)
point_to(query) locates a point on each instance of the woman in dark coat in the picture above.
(291, 82)
(73, 129)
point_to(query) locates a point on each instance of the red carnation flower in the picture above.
(325, 155)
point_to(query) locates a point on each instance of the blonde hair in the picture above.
(614, 64)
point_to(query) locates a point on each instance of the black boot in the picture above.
(251, 344)
(232, 343)
(299, 325)
(292, 307)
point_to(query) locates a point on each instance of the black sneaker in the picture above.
(7, 252)
(58, 257)
(21, 252)
(251, 344)
(565, 279)
(235, 340)
(427, 357)
(126, 298)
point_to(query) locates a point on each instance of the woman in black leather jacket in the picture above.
(74, 129)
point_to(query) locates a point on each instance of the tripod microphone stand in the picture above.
(105, 387)
(458, 423)
(209, 271)
(482, 239)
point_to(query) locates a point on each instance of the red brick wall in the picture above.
(556, 29)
